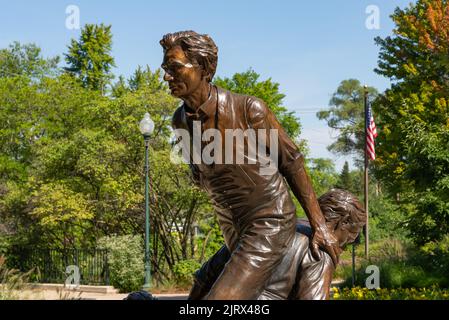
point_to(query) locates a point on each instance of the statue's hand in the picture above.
(324, 239)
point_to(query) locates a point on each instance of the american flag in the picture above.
(371, 134)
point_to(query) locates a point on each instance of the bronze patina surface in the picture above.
(255, 212)
(299, 276)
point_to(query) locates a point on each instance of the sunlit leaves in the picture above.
(89, 58)
(248, 83)
(413, 156)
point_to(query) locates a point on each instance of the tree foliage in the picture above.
(71, 157)
(71, 167)
(344, 181)
(18, 60)
(126, 260)
(347, 116)
(413, 143)
(248, 83)
(90, 59)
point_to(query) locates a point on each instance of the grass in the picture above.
(401, 265)
(12, 282)
(170, 287)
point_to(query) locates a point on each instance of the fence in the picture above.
(50, 265)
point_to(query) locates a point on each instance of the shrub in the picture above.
(436, 255)
(401, 265)
(184, 271)
(210, 239)
(126, 261)
(387, 219)
(11, 281)
(4, 245)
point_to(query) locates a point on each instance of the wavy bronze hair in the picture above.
(199, 48)
(342, 209)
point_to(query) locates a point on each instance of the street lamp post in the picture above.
(146, 128)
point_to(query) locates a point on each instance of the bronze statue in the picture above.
(299, 276)
(255, 211)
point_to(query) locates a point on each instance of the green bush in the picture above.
(357, 293)
(184, 271)
(387, 219)
(436, 255)
(401, 265)
(4, 245)
(210, 238)
(126, 261)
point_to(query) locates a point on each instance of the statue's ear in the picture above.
(204, 73)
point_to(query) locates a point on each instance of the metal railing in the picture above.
(57, 265)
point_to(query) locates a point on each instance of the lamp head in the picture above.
(146, 125)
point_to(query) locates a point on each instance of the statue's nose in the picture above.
(167, 77)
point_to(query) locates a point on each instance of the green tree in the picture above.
(344, 181)
(120, 87)
(146, 78)
(323, 175)
(71, 168)
(248, 83)
(90, 57)
(40, 115)
(413, 161)
(346, 115)
(140, 79)
(64, 216)
(357, 182)
(26, 60)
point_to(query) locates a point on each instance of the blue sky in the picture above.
(306, 46)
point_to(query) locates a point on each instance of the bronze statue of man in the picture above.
(255, 211)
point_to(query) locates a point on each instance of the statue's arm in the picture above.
(291, 166)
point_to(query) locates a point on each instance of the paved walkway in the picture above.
(52, 293)
(69, 295)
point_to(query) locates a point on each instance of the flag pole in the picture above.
(353, 264)
(366, 228)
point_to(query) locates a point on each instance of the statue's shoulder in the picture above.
(249, 101)
(228, 96)
(255, 108)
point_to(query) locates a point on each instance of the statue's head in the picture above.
(190, 59)
(344, 215)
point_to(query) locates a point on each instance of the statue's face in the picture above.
(345, 233)
(183, 76)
